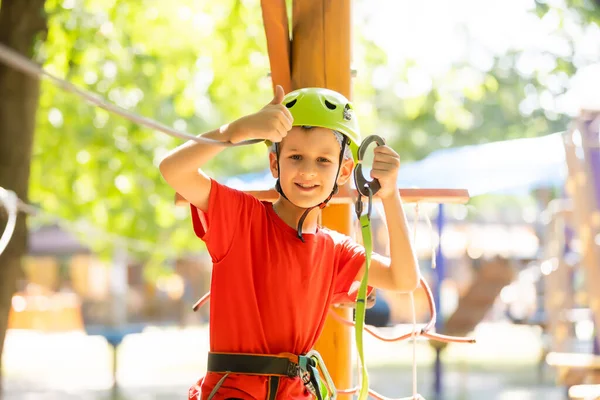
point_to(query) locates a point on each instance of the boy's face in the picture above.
(309, 160)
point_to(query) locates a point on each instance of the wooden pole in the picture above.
(277, 31)
(321, 42)
(335, 342)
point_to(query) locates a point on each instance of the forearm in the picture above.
(191, 156)
(403, 264)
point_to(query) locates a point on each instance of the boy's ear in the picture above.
(273, 165)
(345, 171)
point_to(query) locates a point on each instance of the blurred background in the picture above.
(498, 97)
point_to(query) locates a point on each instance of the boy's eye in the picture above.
(323, 159)
(296, 157)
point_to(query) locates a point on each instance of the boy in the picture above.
(275, 271)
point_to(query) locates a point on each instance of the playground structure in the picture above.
(575, 221)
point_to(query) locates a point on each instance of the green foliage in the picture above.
(470, 103)
(587, 10)
(196, 65)
(193, 66)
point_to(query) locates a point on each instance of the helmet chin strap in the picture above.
(320, 205)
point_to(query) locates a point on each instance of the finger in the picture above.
(385, 168)
(386, 159)
(274, 136)
(279, 94)
(287, 114)
(386, 154)
(281, 128)
(274, 131)
(287, 124)
(283, 132)
(381, 174)
(377, 174)
(384, 150)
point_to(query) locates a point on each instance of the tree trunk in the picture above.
(21, 22)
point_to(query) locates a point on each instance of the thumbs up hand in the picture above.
(272, 122)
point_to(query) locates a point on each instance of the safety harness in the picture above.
(306, 367)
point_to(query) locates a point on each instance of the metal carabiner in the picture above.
(332, 390)
(363, 184)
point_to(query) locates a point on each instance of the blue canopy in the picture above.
(518, 165)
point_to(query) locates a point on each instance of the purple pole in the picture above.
(590, 133)
(439, 323)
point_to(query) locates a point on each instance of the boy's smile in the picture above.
(306, 187)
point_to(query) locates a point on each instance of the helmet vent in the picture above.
(329, 105)
(347, 112)
(291, 103)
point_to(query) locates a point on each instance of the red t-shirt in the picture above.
(270, 293)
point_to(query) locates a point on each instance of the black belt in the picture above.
(272, 366)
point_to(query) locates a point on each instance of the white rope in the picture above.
(23, 64)
(9, 199)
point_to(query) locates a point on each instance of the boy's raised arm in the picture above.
(181, 167)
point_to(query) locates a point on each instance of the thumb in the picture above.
(279, 94)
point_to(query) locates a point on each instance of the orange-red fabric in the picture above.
(270, 293)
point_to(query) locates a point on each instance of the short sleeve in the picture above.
(228, 210)
(351, 258)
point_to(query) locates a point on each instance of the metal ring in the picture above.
(363, 184)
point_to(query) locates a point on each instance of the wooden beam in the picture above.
(276, 24)
(348, 196)
(573, 360)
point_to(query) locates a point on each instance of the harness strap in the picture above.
(361, 306)
(253, 364)
(272, 366)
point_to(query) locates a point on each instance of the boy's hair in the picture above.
(338, 136)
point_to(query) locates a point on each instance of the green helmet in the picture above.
(324, 108)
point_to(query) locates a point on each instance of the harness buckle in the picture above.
(293, 370)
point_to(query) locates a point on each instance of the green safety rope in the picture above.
(368, 189)
(361, 305)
